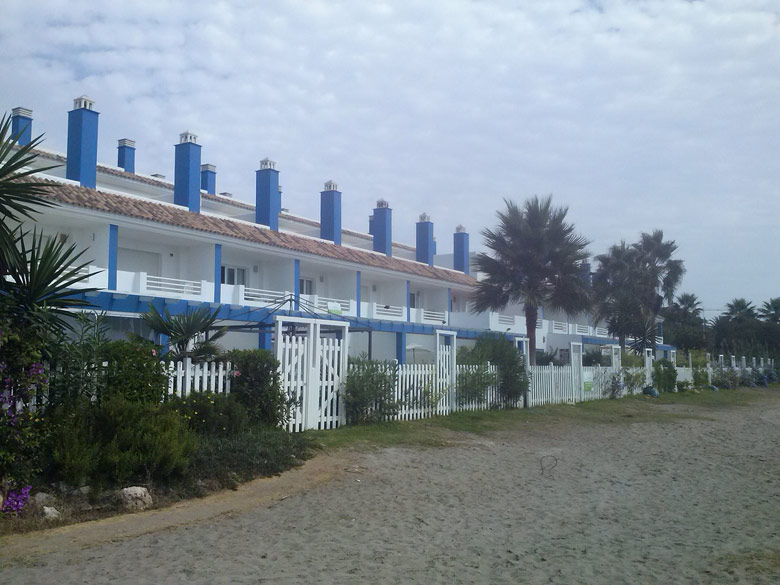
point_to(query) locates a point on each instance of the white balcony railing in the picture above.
(334, 306)
(506, 320)
(434, 316)
(602, 332)
(582, 330)
(559, 327)
(264, 297)
(389, 312)
(177, 286)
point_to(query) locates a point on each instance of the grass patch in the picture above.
(445, 430)
(761, 563)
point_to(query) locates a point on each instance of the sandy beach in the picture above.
(690, 500)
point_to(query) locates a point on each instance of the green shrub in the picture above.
(664, 375)
(259, 452)
(255, 384)
(474, 383)
(134, 371)
(630, 359)
(594, 357)
(369, 391)
(211, 414)
(700, 378)
(633, 379)
(117, 441)
(725, 378)
(683, 386)
(500, 351)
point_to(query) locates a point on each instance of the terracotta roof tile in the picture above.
(233, 202)
(178, 216)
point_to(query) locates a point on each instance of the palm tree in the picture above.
(18, 197)
(656, 263)
(618, 291)
(191, 334)
(536, 260)
(689, 305)
(770, 311)
(740, 310)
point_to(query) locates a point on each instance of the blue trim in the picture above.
(125, 158)
(268, 200)
(297, 284)
(330, 216)
(265, 340)
(21, 125)
(208, 181)
(460, 244)
(113, 249)
(217, 273)
(400, 347)
(186, 180)
(424, 249)
(165, 342)
(81, 164)
(357, 291)
(449, 300)
(383, 230)
(598, 341)
(408, 301)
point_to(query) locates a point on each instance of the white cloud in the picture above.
(635, 114)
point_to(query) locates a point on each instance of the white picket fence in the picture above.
(184, 378)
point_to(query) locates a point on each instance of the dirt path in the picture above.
(688, 501)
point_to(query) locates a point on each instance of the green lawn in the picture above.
(445, 430)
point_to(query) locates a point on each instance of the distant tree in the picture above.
(683, 325)
(631, 283)
(740, 309)
(535, 260)
(770, 311)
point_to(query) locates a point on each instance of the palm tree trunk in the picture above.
(531, 315)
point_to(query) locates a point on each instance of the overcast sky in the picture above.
(635, 114)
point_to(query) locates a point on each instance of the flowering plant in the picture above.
(15, 500)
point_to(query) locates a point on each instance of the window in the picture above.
(413, 298)
(306, 286)
(233, 275)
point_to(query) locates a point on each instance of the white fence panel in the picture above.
(184, 378)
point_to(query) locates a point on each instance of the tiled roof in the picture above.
(179, 216)
(224, 200)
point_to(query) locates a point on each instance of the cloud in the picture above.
(636, 115)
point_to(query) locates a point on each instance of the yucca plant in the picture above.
(191, 334)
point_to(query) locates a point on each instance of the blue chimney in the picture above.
(21, 123)
(426, 247)
(383, 228)
(460, 243)
(330, 213)
(268, 198)
(208, 179)
(126, 155)
(186, 182)
(81, 165)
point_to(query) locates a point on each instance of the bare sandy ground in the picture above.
(689, 501)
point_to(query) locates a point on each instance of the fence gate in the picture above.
(446, 371)
(577, 378)
(312, 354)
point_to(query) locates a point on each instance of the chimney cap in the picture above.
(425, 217)
(208, 167)
(83, 102)
(187, 136)
(20, 111)
(382, 203)
(158, 176)
(331, 185)
(267, 163)
(226, 194)
(126, 142)
(460, 229)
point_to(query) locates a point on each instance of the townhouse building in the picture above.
(181, 244)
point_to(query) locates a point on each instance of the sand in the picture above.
(688, 501)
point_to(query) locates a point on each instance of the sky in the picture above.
(637, 115)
